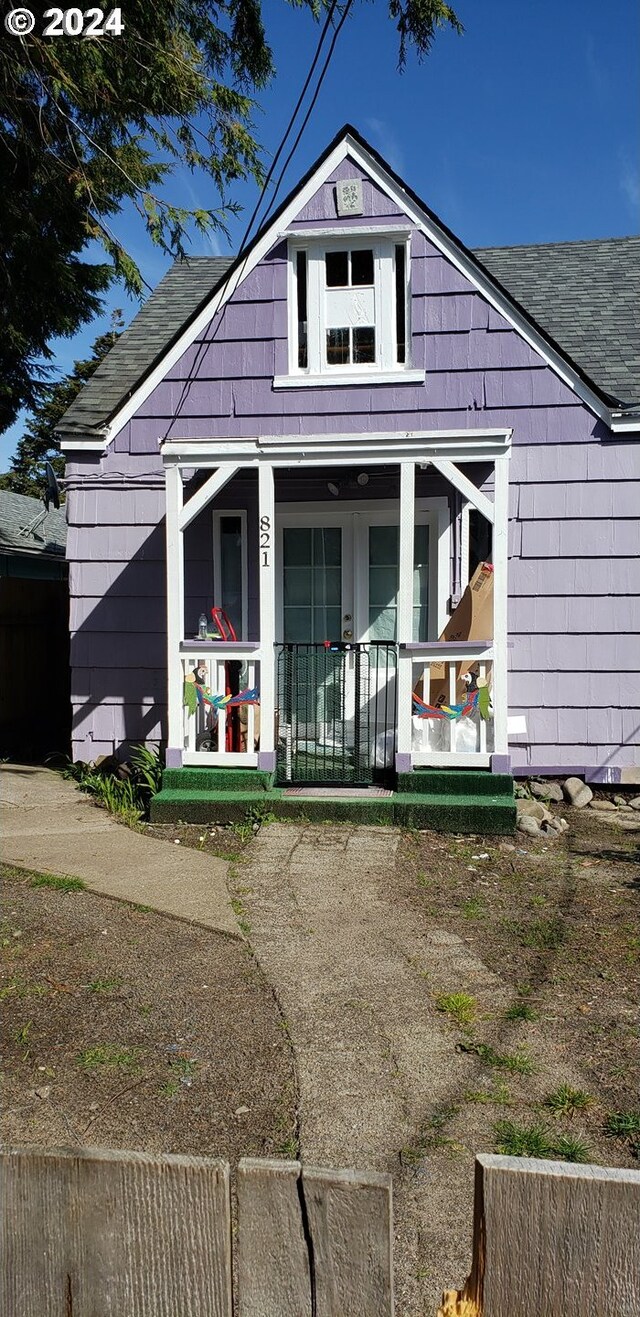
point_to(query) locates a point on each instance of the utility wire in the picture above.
(205, 343)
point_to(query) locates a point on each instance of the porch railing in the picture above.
(221, 714)
(451, 717)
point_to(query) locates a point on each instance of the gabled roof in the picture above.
(569, 328)
(586, 295)
(17, 511)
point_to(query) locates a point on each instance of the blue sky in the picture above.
(524, 129)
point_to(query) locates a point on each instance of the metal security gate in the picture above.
(336, 706)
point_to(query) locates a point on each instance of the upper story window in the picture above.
(349, 309)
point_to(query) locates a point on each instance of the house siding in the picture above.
(574, 597)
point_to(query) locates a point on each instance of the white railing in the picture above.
(219, 735)
(437, 680)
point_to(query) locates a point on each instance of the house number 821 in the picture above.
(265, 539)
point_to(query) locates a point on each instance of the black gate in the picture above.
(336, 708)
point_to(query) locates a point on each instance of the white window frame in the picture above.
(218, 515)
(386, 369)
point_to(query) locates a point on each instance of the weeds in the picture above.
(516, 1140)
(109, 1056)
(517, 1063)
(565, 1100)
(59, 882)
(520, 1011)
(542, 934)
(126, 789)
(474, 908)
(625, 1125)
(460, 1006)
(104, 985)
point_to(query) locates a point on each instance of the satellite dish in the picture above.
(51, 494)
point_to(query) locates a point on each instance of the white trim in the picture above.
(404, 627)
(90, 445)
(500, 605)
(175, 605)
(313, 450)
(464, 547)
(266, 586)
(449, 759)
(205, 494)
(338, 381)
(351, 230)
(219, 759)
(278, 230)
(465, 487)
(623, 426)
(218, 514)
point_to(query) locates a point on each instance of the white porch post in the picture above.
(405, 612)
(266, 551)
(175, 612)
(500, 604)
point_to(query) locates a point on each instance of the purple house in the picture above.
(326, 439)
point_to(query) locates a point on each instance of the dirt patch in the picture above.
(228, 843)
(126, 1028)
(556, 1008)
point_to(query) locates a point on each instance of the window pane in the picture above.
(297, 547)
(327, 546)
(337, 269)
(364, 344)
(421, 584)
(296, 585)
(297, 624)
(383, 586)
(301, 281)
(361, 268)
(401, 304)
(382, 623)
(337, 347)
(383, 546)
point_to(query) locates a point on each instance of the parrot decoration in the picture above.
(478, 701)
(196, 692)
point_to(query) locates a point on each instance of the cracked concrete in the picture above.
(374, 1063)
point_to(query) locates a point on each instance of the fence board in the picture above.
(313, 1243)
(552, 1240)
(92, 1233)
(274, 1278)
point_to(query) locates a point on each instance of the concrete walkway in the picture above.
(374, 1063)
(48, 825)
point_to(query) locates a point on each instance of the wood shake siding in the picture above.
(574, 593)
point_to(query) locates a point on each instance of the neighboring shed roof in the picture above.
(586, 295)
(17, 511)
(583, 294)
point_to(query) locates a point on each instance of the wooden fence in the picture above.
(93, 1233)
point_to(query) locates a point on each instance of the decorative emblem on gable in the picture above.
(349, 197)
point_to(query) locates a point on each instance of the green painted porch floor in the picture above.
(444, 801)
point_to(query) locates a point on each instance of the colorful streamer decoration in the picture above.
(195, 693)
(478, 701)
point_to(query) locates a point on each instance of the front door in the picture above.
(337, 609)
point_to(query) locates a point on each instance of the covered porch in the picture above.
(338, 561)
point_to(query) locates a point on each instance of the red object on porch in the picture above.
(225, 626)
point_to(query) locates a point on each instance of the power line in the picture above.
(206, 342)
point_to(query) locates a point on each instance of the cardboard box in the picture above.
(471, 620)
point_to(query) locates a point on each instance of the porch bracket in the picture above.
(205, 494)
(465, 487)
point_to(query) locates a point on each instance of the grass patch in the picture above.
(565, 1100)
(109, 1057)
(536, 1140)
(60, 883)
(474, 908)
(460, 1006)
(520, 1011)
(104, 985)
(542, 934)
(517, 1063)
(625, 1125)
(498, 1096)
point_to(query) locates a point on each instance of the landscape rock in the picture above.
(620, 800)
(602, 804)
(577, 792)
(533, 809)
(635, 803)
(529, 825)
(547, 791)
